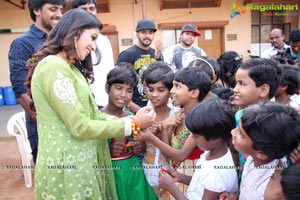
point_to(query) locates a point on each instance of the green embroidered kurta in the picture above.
(73, 159)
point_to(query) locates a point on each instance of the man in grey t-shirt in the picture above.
(180, 55)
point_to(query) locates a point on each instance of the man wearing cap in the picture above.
(140, 56)
(180, 55)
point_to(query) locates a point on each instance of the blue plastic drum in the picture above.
(2, 102)
(9, 96)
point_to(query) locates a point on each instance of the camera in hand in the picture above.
(251, 55)
(284, 57)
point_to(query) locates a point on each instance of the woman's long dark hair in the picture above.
(61, 39)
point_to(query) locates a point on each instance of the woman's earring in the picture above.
(75, 43)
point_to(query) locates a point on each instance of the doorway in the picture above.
(113, 36)
(212, 41)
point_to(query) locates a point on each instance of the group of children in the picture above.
(233, 155)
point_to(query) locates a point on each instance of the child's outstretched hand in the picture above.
(154, 129)
(165, 180)
(158, 48)
(174, 173)
(116, 148)
(173, 120)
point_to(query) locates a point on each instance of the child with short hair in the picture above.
(257, 81)
(290, 182)
(214, 172)
(266, 133)
(154, 66)
(289, 85)
(159, 81)
(129, 175)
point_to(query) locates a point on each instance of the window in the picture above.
(171, 37)
(176, 4)
(261, 25)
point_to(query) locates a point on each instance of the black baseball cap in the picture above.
(190, 28)
(145, 24)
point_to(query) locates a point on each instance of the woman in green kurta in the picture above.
(74, 159)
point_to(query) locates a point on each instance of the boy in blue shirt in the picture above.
(256, 81)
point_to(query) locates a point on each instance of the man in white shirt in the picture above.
(101, 70)
(106, 63)
(180, 55)
(276, 38)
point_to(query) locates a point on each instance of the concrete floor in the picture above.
(12, 184)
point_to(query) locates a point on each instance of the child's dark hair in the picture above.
(223, 93)
(208, 65)
(274, 128)
(159, 71)
(229, 62)
(290, 77)
(153, 66)
(290, 182)
(77, 3)
(212, 118)
(294, 35)
(194, 78)
(263, 71)
(122, 73)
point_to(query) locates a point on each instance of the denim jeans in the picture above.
(31, 127)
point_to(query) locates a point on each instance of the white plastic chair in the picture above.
(16, 126)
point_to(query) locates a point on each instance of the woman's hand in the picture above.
(145, 116)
